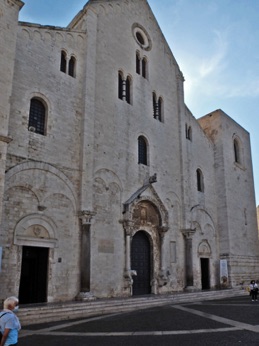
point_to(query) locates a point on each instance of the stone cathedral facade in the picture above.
(109, 187)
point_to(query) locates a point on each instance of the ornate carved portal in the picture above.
(147, 215)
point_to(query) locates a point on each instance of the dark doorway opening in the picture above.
(205, 273)
(141, 262)
(33, 283)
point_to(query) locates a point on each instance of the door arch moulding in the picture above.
(36, 230)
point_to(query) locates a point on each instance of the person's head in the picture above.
(10, 303)
(252, 282)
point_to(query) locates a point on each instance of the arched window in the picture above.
(154, 105)
(142, 150)
(200, 181)
(237, 151)
(137, 63)
(160, 108)
(72, 66)
(144, 67)
(63, 62)
(128, 89)
(157, 107)
(37, 116)
(120, 86)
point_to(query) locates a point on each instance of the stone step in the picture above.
(53, 312)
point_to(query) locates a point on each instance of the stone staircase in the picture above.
(53, 312)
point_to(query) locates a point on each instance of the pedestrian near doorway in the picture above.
(253, 290)
(9, 322)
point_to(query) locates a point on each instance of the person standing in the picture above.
(9, 322)
(253, 290)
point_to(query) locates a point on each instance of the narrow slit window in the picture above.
(188, 131)
(200, 182)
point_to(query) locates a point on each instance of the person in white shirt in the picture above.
(9, 322)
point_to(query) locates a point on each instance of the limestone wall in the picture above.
(86, 165)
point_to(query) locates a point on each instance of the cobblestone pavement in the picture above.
(233, 321)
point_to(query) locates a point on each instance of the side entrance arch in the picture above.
(204, 252)
(141, 263)
(36, 234)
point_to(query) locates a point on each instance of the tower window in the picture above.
(63, 62)
(188, 132)
(200, 180)
(72, 66)
(236, 151)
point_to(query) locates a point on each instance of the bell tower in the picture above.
(9, 10)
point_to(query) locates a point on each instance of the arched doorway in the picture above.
(34, 273)
(141, 263)
(205, 273)
(36, 234)
(204, 251)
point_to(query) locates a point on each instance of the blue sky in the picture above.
(216, 44)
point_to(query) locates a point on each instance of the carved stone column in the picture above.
(128, 227)
(162, 273)
(188, 233)
(85, 216)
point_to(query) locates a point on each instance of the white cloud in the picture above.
(216, 62)
(213, 75)
(248, 89)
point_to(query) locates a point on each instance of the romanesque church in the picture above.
(109, 187)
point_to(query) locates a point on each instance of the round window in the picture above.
(141, 36)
